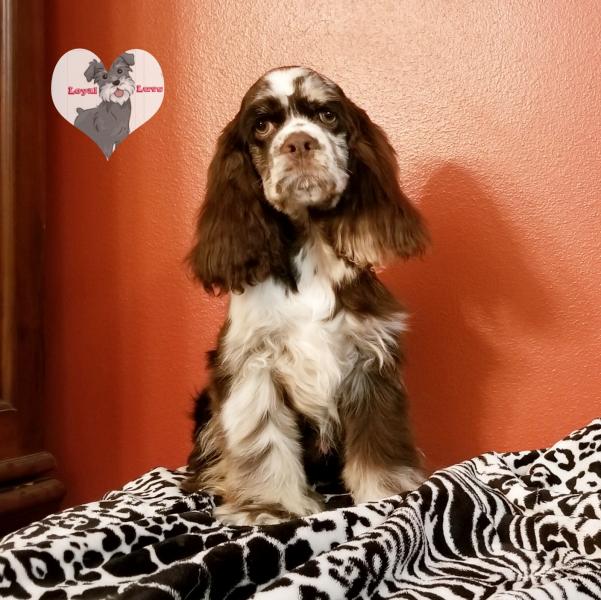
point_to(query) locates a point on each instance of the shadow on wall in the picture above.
(475, 281)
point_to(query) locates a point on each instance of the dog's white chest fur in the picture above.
(295, 335)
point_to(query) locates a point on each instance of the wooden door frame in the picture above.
(23, 102)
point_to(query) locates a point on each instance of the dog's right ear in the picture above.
(238, 234)
(93, 69)
(128, 58)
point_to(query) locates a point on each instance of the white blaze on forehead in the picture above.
(281, 82)
(315, 89)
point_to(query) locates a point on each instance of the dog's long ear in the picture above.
(128, 58)
(238, 235)
(374, 219)
(93, 69)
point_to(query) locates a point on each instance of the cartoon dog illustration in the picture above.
(108, 123)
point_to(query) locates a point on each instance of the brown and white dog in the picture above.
(302, 203)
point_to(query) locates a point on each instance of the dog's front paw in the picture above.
(376, 485)
(310, 505)
(257, 513)
(231, 514)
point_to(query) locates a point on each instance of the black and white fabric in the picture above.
(524, 525)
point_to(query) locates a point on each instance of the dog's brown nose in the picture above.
(299, 144)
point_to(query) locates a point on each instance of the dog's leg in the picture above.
(264, 476)
(380, 458)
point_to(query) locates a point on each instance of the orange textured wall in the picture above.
(494, 109)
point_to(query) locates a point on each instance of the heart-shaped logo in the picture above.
(107, 104)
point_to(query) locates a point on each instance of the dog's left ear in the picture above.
(128, 58)
(94, 68)
(374, 219)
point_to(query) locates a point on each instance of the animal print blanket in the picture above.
(503, 526)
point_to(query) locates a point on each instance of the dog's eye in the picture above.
(263, 127)
(104, 76)
(328, 117)
(119, 71)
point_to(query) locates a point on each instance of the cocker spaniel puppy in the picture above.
(302, 203)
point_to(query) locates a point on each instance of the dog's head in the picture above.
(114, 85)
(300, 152)
(296, 128)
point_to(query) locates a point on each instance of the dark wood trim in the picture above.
(22, 148)
(25, 467)
(32, 493)
(27, 484)
(27, 487)
(29, 502)
(9, 420)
